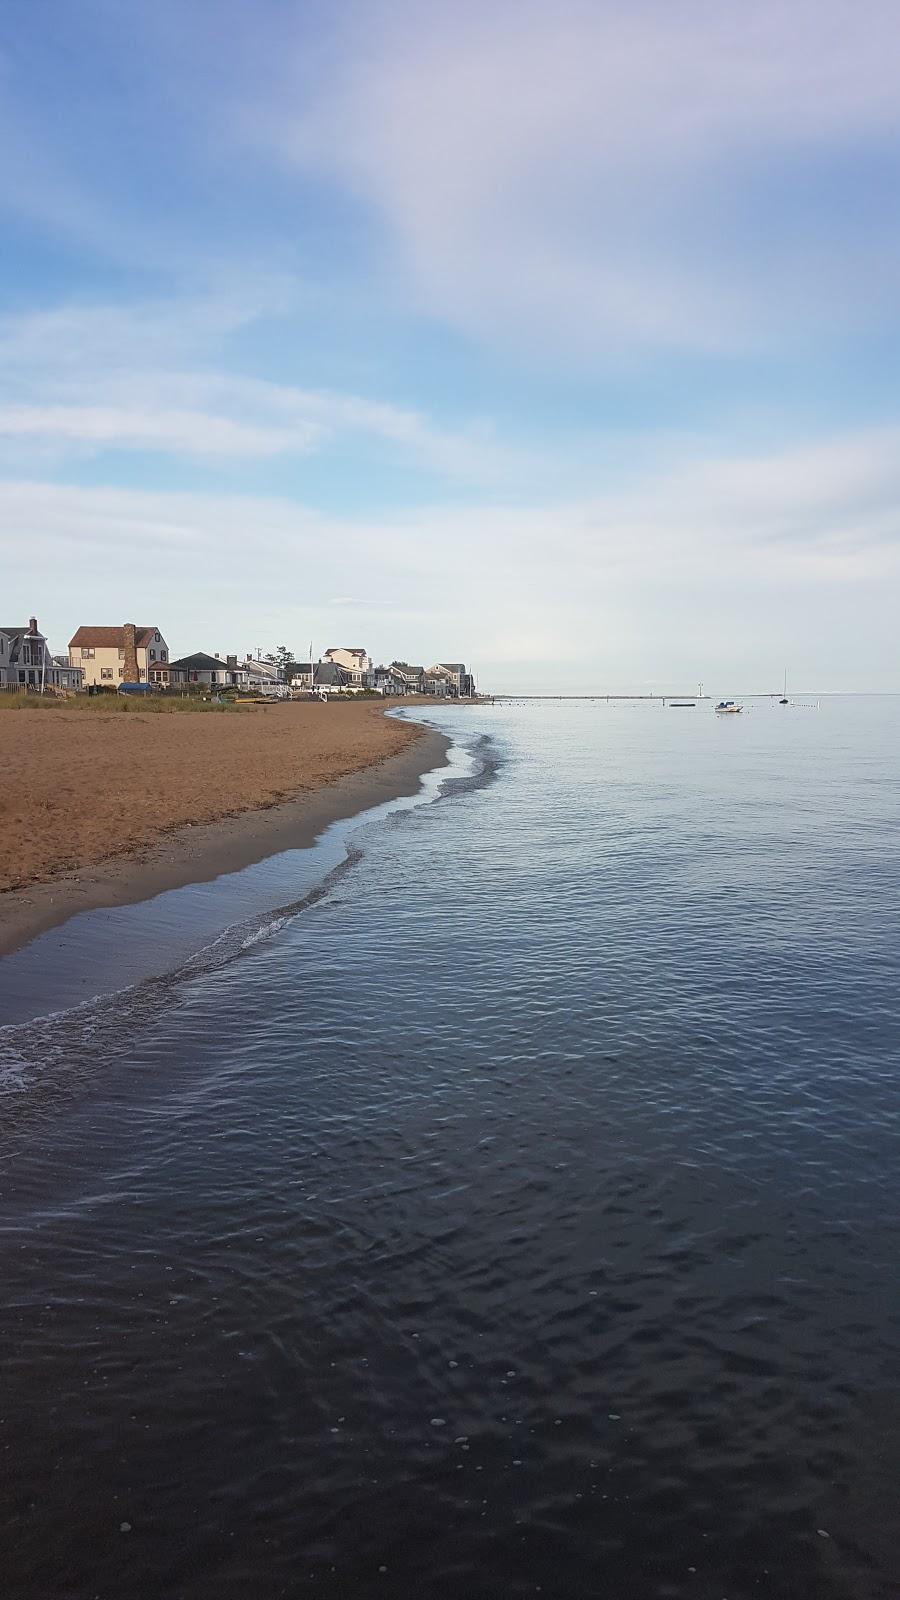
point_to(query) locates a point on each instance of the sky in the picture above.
(562, 339)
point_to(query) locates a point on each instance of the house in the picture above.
(388, 682)
(411, 677)
(356, 662)
(456, 681)
(304, 673)
(435, 681)
(329, 678)
(236, 674)
(26, 661)
(456, 674)
(264, 677)
(69, 677)
(202, 671)
(110, 656)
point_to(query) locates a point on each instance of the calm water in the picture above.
(519, 1217)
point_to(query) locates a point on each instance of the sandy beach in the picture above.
(116, 808)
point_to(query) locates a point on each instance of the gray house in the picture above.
(26, 661)
(330, 678)
(206, 672)
(411, 677)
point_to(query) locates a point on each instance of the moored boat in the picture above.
(728, 707)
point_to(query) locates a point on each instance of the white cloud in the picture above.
(154, 377)
(172, 431)
(605, 174)
(727, 564)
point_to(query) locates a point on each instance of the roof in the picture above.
(199, 662)
(17, 638)
(109, 638)
(453, 666)
(329, 672)
(404, 666)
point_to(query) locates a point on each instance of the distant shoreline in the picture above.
(199, 852)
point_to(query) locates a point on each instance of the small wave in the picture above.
(487, 762)
(54, 1055)
(57, 1053)
(13, 1071)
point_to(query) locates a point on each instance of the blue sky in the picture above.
(562, 339)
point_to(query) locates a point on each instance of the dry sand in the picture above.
(98, 809)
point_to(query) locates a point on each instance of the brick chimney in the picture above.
(32, 625)
(231, 661)
(130, 670)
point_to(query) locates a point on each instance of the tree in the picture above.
(284, 661)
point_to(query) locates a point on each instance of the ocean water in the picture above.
(506, 1205)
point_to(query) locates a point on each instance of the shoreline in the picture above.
(200, 852)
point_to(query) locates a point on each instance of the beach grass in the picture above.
(114, 704)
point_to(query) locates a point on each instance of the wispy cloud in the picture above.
(170, 431)
(118, 377)
(610, 175)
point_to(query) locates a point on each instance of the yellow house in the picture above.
(110, 656)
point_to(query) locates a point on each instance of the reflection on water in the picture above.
(517, 1218)
(103, 952)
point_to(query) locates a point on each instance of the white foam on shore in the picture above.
(50, 1051)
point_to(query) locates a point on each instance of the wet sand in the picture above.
(115, 809)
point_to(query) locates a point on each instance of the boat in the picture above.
(728, 707)
(784, 699)
(682, 702)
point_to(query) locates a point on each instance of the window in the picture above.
(106, 672)
(162, 655)
(152, 655)
(121, 651)
(87, 655)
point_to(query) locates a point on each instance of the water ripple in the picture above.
(521, 1218)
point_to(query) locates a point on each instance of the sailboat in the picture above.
(784, 699)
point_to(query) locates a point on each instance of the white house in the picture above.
(388, 682)
(264, 677)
